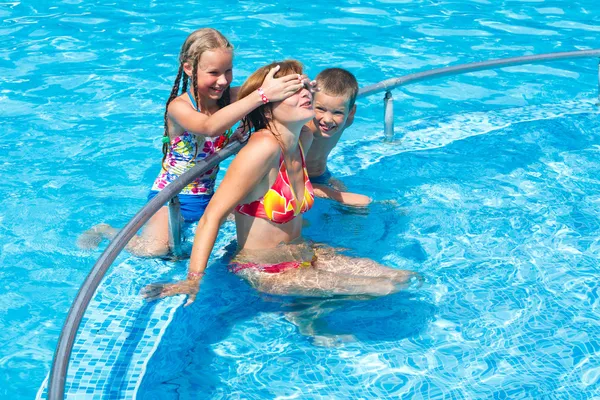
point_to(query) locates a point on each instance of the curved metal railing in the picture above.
(58, 374)
(389, 84)
(60, 363)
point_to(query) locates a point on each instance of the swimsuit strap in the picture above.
(280, 204)
(193, 101)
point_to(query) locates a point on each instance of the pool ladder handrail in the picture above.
(62, 354)
(389, 84)
(60, 362)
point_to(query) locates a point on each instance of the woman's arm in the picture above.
(276, 89)
(246, 171)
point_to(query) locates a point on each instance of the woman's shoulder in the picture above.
(259, 155)
(262, 142)
(264, 137)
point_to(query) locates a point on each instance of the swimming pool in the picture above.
(492, 195)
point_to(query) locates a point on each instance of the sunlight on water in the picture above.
(491, 191)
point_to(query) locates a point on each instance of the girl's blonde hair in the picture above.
(257, 119)
(194, 46)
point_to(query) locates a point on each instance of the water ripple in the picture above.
(520, 30)
(498, 209)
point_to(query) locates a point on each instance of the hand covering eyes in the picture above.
(311, 86)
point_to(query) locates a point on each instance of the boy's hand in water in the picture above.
(156, 291)
(347, 198)
(278, 89)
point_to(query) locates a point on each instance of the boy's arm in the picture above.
(347, 198)
(337, 184)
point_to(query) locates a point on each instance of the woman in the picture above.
(262, 184)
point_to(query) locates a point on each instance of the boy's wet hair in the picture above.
(195, 45)
(338, 82)
(258, 119)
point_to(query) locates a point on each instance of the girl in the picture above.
(268, 186)
(196, 120)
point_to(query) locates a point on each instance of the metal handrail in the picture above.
(60, 363)
(389, 84)
(58, 373)
(393, 83)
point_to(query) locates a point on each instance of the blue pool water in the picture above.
(493, 195)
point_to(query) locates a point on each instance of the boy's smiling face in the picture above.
(331, 113)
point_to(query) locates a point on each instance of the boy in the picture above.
(334, 111)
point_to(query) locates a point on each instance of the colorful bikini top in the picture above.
(280, 204)
(184, 152)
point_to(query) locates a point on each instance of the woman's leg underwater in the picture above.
(312, 282)
(329, 260)
(307, 320)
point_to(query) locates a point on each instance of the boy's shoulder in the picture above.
(310, 127)
(307, 135)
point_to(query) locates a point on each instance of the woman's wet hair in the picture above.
(259, 118)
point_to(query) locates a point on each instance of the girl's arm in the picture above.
(246, 171)
(276, 89)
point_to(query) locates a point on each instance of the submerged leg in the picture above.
(309, 322)
(92, 238)
(329, 260)
(153, 242)
(312, 282)
(337, 184)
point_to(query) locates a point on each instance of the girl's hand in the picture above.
(157, 291)
(239, 134)
(278, 89)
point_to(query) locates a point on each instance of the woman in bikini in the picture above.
(268, 187)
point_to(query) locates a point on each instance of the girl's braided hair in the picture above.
(194, 46)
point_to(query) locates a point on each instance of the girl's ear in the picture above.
(187, 68)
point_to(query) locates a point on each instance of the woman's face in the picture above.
(296, 108)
